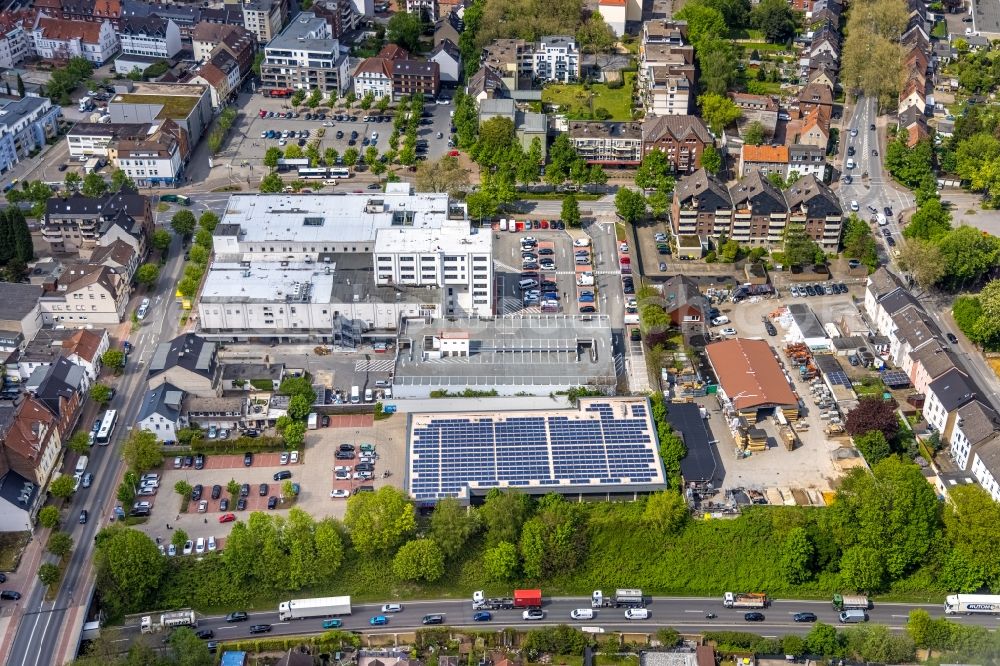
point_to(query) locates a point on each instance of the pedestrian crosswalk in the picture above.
(374, 365)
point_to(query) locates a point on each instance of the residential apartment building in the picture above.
(752, 212)
(222, 76)
(667, 77)
(305, 56)
(210, 38)
(342, 15)
(59, 39)
(20, 316)
(264, 18)
(160, 412)
(682, 138)
(79, 224)
(607, 143)
(374, 75)
(26, 125)
(510, 58)
(86, 140)
(422, 8)
(31, 441)
(763, 159)
(190, 363)
(87, 294)
(413, 77)
(154, 160)
(15, 42)
(449, 59)
(151, 36)
(556, 58)
(331, 273)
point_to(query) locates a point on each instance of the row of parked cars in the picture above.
(828, 289)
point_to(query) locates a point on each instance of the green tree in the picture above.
(59, 544)
(179, 538)
(753, 134)
(594, 35)
(793, 644)
(931, 222)
(113, 359)
(63, 486)
(142, 451)
(718, 111)
(862, 568)
(775, 19)
(504, 513)
(128, 566)
(183, 223)
(654, 172)
(497, 141)
(93, 185)
(300, 544)
(20, 87)
(120, 179)
(555, 539)
(161, 240)
(199, 255)
(872, 414)
(876, 644)
(442, 175)
(48, 517)
(183, 488)
(49, 574)
(329, 549)
(711, 159)
(571, 211)
(501, 562)
(79, 442)
(974, 559)
(404, 30)
(188, 287)
(293, 152)
(351, 156)
(293, 386)
(294, 434)
(271, 184)
(288, 490)
(858, 242)
(72, 181)
(126, 489)
(147, 274)
(824, 640)
(420, 559)
(797, 556)
(659, 203)
(100, 393)
(704, 22)
(666, 512)
(299, 407)
(451, 526)
(873, 446)
(379, 522)
(967, 255)
(923, 260)
(208, 221)
(630, 205)
(189, 650)
(799, 248)
(271, 157)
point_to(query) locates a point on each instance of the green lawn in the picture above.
(573, 100)
(762, 46)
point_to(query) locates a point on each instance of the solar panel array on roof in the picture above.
(839, 377)
(895, 379)
(450, 455)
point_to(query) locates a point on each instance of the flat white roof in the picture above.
(267, 283)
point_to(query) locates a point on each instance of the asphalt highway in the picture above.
(684, 613)
(43, 624)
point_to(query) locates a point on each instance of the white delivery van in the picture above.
(853, 616)
(81, 465)
(582, 614)
(355, 395)
(637, 614)
(527, 284)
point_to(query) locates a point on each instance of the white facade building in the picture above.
(150, 36)
(556, 58)
(296, 265)
(14, 44)
(59, 39)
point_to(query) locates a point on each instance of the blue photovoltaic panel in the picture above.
(450, 454)
(839, 377)
(895, 378)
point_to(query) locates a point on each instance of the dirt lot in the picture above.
(314, 473)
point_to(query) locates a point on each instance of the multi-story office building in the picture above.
(338, 267)
(305, 56)
(149, 36)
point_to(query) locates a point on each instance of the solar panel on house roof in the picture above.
(839, 377)
(895, 379)
(593, 446)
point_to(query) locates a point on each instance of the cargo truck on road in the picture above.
(745, 600)
(185, 618)
(844, 602)
(972, 604)
(299, 609)
(521, 599)
(624, 598)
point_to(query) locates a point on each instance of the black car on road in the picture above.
(804, 617)
(260, 628)
(237, 616)
(753, 617)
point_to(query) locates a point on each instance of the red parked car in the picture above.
(227, 517)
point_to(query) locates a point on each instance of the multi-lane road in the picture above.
(686, 614)
(44, 626)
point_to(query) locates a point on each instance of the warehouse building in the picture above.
(604, 449)
(751, 380)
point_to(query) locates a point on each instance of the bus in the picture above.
(339, 172)
(176, 198)
(107, 427)
(313, 174)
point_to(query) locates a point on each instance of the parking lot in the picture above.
(314, 473)
(249, 144)
(549, 260)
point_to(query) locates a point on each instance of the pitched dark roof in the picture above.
(703, 191)
(756, 192)
(153, 26)
(188, 351)
(59, 380)
(679, 127)
(953, 389)
(449, 47)
(106, 206)
(165, 400)
(415, 68)
(810, 192)
(17, 300)
(883, 281)
(682, 290)
(896, 301)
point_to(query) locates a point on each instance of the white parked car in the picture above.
(719, 321)
(392, 608)
(581, 242)
(294, 457)
(284, 458)
(854, 206)
(342, 476)
(200, 546)
(340, 493)
(623, 248)
(203, 506)
(728, 332)
(211, 544)
(172, 550)
(188, 547)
